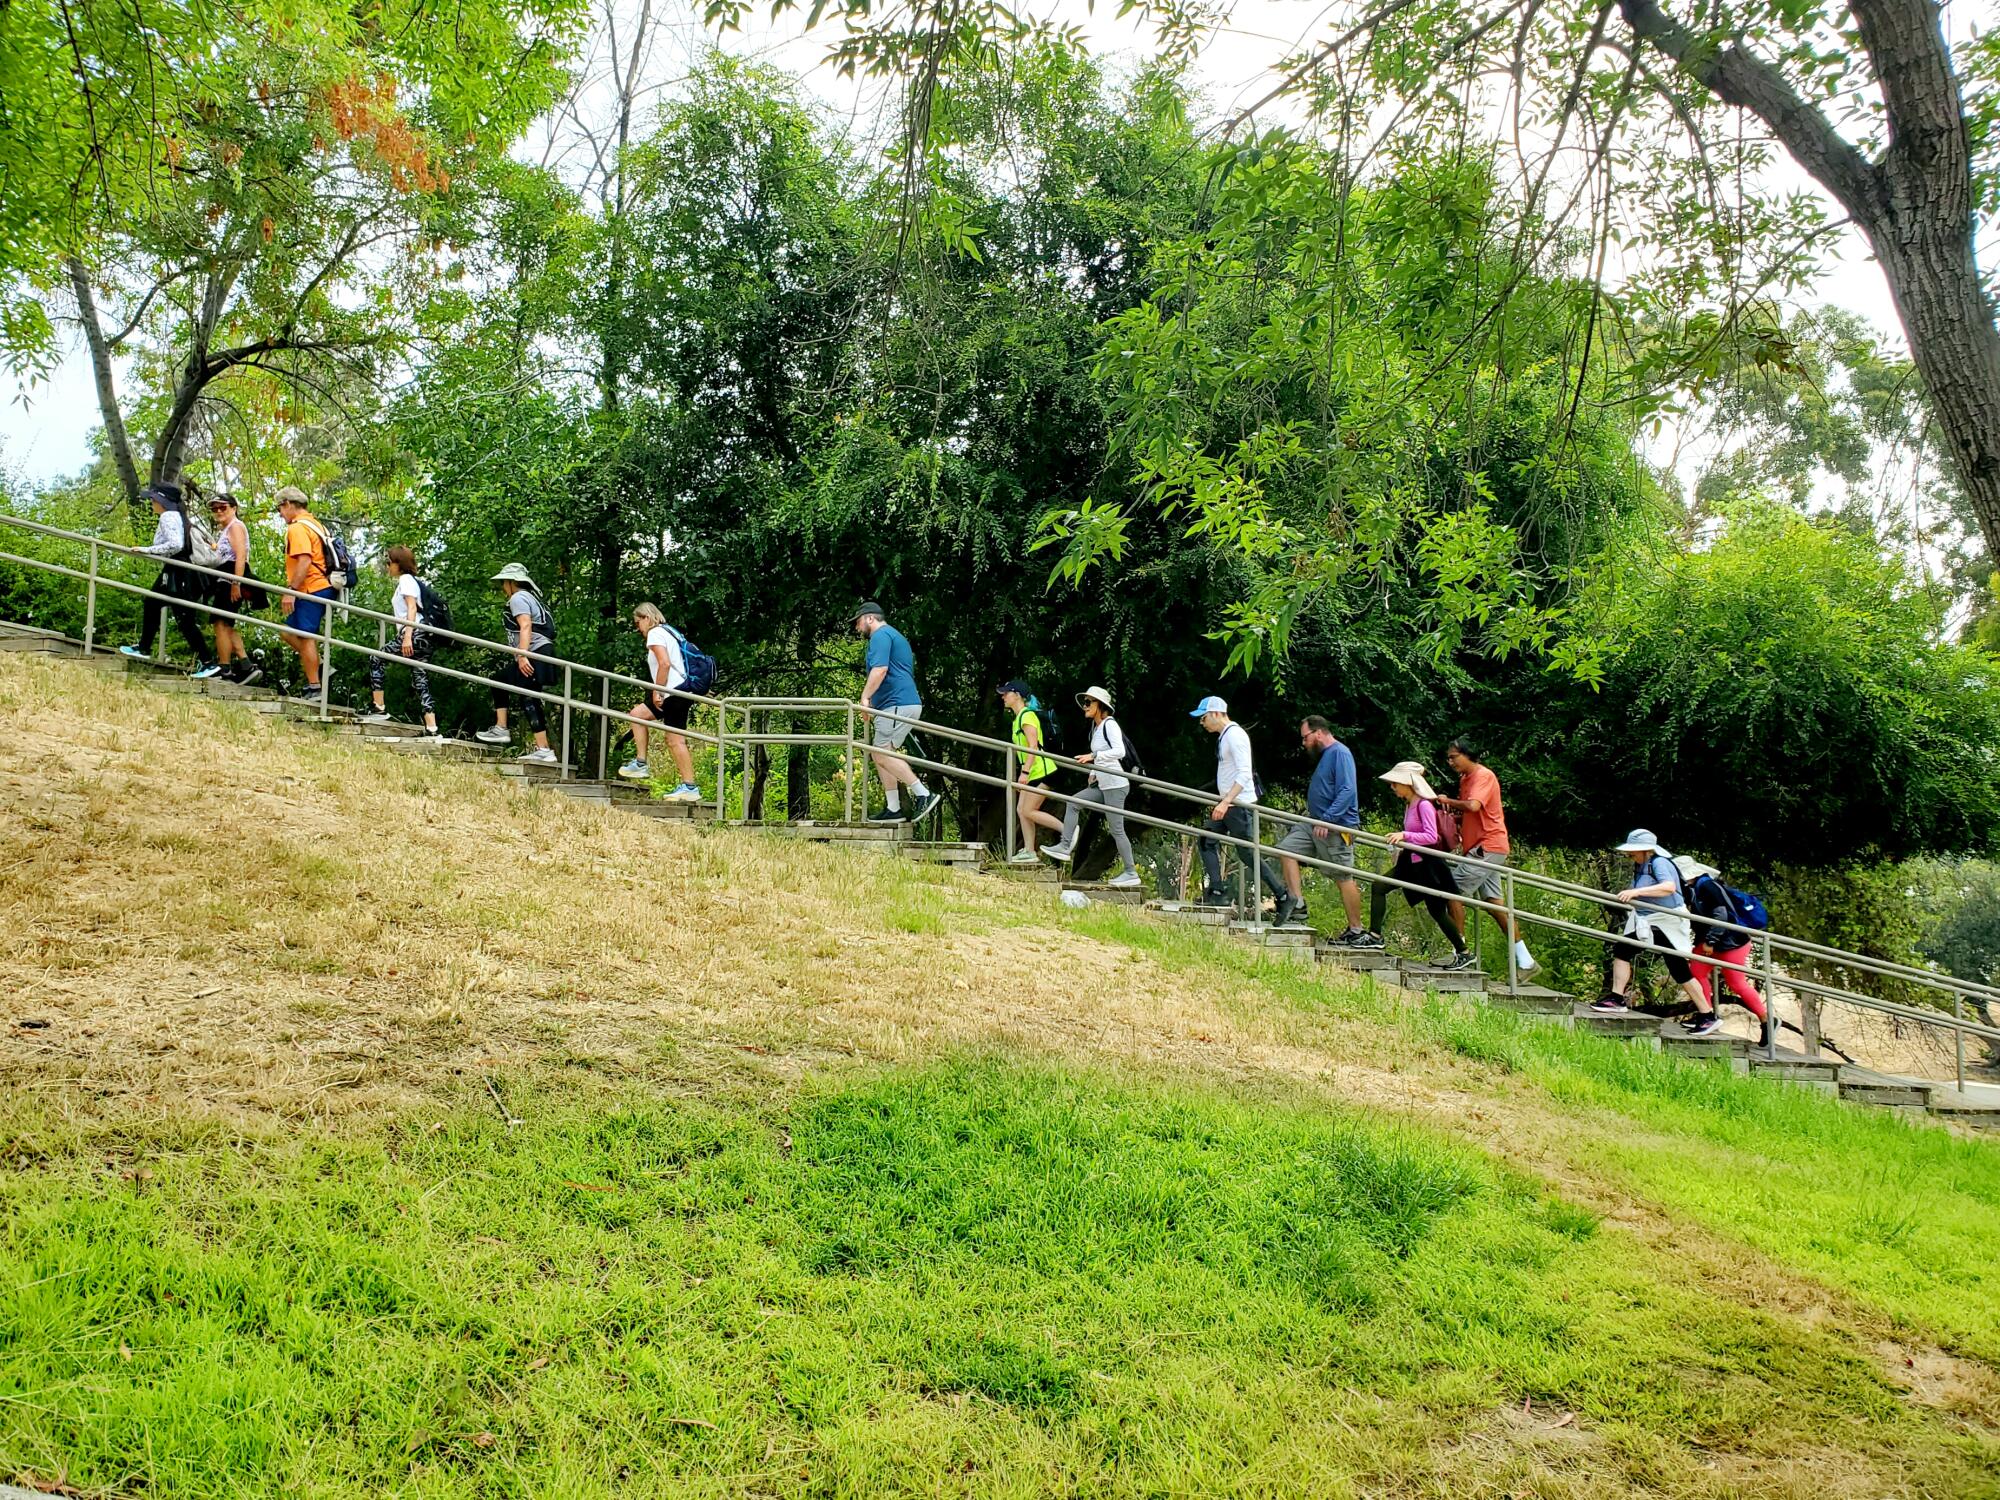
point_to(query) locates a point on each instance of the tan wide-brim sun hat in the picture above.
(1693, 869)
(1100, 694)
(1409, 773)
(514, 573)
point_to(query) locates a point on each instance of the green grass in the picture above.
(963, 1279)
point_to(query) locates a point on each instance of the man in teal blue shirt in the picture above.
(892, 687)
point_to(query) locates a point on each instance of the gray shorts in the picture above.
(890, 733)
(1299, 839)
(1480, 881)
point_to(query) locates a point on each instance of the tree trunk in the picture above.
(1956, 350)
(107, 391)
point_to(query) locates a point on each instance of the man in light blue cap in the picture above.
(1236, 785)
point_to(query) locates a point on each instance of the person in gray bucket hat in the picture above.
(532, 628)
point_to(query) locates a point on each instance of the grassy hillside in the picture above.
(835, 1176)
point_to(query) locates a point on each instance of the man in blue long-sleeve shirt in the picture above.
(1333, 803)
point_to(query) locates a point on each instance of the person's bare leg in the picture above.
(683, 758)
(499, 718)
(1294, 882)
(1350, 897)
(1693, 990)
(640, 733)
(1621, 977)
(309, 658)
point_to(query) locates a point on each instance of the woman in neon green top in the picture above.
(1034, 768)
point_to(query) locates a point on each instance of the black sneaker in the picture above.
(1215, 898)
(1300, 915)
(1460, 961)
(1283, 913)
(249, 675)
(886, 815)
(1609, 1004)
(1354, 937)
(1700, 1024)
(929, 803)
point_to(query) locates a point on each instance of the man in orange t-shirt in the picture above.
(1482, 836)
(305, 571)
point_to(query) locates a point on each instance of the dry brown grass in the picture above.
(231, 915)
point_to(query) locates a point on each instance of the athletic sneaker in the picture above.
(929, 803)
(1609, 1004)
(1461, 961)
(1702, 1025)
(133, 653)
(205, 671)
(1283, 914)
(1215, 898)
(307, 694)
(376, 717)
(493, 734)
(687, 791)
(635, 770)
(541, 755)
(1058, 851)
(886, 815)
(255, 674)
(1024, 857)
(1127, 881)
(1525, 969)
(1299, 913)
(1354, 937)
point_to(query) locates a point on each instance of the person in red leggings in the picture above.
(1708, 897)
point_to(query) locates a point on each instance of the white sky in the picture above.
(45, 431)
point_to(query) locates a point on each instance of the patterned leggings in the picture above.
(378, 672)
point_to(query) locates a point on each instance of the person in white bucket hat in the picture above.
(1417, 849)
(1658, 915)
(1109, 753)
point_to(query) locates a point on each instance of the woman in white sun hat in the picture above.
(1658, 915)
(1108, 754)
(1430, 875)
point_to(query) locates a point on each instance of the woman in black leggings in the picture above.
(1430, 876)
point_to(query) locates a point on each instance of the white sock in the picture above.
(920, 789)
(1522, 956)
(892, 799)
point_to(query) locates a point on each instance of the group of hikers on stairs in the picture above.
(1672, 903)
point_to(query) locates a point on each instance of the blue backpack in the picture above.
(1750, 908)
(699, 664)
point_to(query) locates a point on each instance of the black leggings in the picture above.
(182, 585)
(539, 680)
(1679, 968)
(1407, 869)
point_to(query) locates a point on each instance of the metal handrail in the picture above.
(1255, 846)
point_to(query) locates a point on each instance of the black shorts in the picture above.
(671, 711)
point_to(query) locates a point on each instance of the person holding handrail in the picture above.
(1482, 836)
(666, 669)
(891, 685)
(532, 628)
(1108, 754)
(1030, 736)
(1429, 877)
(411, 641)
(306, 553)
(1236, 784)
(1658, 915)
(238, 593)
(1708, 897)
(173, 544)
(1334, 805)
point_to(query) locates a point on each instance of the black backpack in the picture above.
(540, 621)
(432, 607)
(1131, 765)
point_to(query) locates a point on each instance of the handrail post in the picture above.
(325, 655)
(1009, 798)
(847, 750)
(1958, 1035)
(569, 689)
(1253, 870)
(90, 605)
(721, 757)
(604, 728)
(1770, 999)
(1510, 926)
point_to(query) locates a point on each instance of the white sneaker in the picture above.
(1525, 969)
(541, 755)
(493, 734)
(635, 770)
(1056, 852)
(376, 717)
(1128, 881)
(1024, 857)
(684, 793)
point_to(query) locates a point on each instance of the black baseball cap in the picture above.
(869, 607)
(1014, 685)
